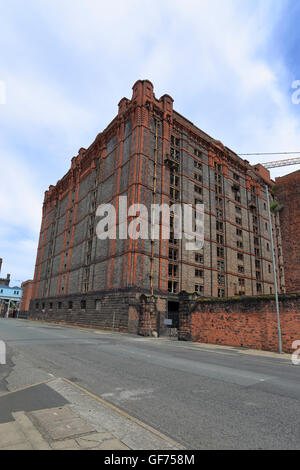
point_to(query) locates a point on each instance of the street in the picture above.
(201, 396)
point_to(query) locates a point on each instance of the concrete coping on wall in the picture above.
(247, 299)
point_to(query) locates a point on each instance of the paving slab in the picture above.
(61, 423)
(29, 399)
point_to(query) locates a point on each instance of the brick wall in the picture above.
(247, 322)
(288, 194)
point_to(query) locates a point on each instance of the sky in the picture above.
(65, 65)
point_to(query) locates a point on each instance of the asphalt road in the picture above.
(202, 397)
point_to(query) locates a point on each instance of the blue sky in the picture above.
(229, 65)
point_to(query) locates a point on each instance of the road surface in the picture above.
(201, 396)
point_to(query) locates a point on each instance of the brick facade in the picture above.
(150, 153)
(288, 195)
(249, 322)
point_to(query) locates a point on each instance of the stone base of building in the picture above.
(127, 311)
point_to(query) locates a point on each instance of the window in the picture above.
(199, 288)
(174, 179)
(238, 209)
(197, 153)
(269, 268)
(258, 288)
(173, 270)
(219, 226)
(50, 305)
(70, 304)
(59, 305)
(86, 286)
(239, 244)
(198, 273)
(218, 179)
(174, 194)
(241, 282)
(241, 269)
(175, 154)
(36, 306)
(172, 286)
(219, 213)
(172, 240)
(83, 304)
(219, 201)
(221, 293)
(238, 220)
(236, 177)
(220, 239)
(198, 201)
(173, 254)
(218, 167)
(98, 304)
(239, 232)
(240, 256)
(198, 177)
(221, 266)
(198, 165)
(221, 280)
(199, 258)
(220, 252)
(197, 189)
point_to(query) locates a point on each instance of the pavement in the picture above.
(59, 415)
(146, 393)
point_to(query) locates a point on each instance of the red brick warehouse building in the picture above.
(151, 153)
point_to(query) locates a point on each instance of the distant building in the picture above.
(26, 296)
(10, 299)
(5, 281)
(288, 195)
